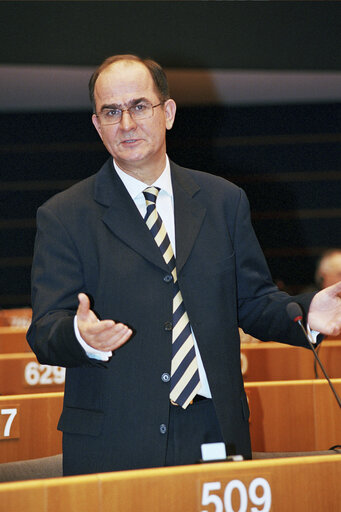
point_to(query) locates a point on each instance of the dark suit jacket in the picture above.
(92, 238)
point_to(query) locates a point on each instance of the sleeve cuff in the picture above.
(91, 352)
(312, 334)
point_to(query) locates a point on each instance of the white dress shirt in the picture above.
(165, 208)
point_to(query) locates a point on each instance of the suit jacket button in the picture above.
(168, 326)
(165, 377)
(168, 278)
(163, 428)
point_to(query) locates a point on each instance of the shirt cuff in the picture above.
(312, 334)
(91, 352)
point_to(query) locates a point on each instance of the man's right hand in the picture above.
(103, 335)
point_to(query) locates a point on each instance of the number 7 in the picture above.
(12, 413)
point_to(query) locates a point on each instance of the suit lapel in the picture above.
(189, 213)
(123, 218)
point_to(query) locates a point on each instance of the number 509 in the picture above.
(261, 499)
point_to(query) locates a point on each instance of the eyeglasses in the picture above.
(143, 110)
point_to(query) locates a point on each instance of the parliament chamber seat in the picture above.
(28, 426)
(21, 373)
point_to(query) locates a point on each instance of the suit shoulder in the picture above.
(80, 194)
(67, 197)
(206, 179)
(210, 182)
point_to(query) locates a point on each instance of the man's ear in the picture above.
(97, 124)
(170, 110)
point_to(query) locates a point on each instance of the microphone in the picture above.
(295, 313)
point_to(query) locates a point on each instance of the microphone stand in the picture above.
(295, 313)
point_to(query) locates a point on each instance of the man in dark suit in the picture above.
(103, 292)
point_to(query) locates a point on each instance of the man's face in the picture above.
(139, 147)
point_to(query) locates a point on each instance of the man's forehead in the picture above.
(124, 70)
(125, 78)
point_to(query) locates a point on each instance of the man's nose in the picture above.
(127, 122)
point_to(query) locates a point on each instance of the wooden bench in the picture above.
(274, 361)
(28, 426)
(13, 340)
(21, 374)
(17, 317)
(286, 416)
(296, 484)
(291, 416)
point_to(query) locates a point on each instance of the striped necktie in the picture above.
(185, 380)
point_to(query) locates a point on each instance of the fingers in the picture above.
(122, 334)
(103, 335)
(107, 335)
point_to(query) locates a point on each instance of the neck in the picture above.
(148, 174)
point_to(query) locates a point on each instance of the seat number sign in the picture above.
(236, 496)
(36, 374)
(9, 422)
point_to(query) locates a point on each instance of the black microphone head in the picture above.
(294, 311)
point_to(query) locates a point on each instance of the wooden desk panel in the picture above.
(327, 415)
(23, 497)
(16, 317)
(296, 484)
(28, 426)
(13, 340)
(291, 416)
(21, 374)
(274, 361)
(84, 494)
(282, 416)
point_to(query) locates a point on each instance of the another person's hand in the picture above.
(100, 334)
(325, 311)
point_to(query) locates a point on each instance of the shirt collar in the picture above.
(135, 187)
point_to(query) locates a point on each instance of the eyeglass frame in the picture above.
(130, 112)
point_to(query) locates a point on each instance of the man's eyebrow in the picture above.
(131, 103)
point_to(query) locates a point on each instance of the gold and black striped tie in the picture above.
(185, 380)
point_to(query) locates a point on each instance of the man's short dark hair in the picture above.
(156, 71)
